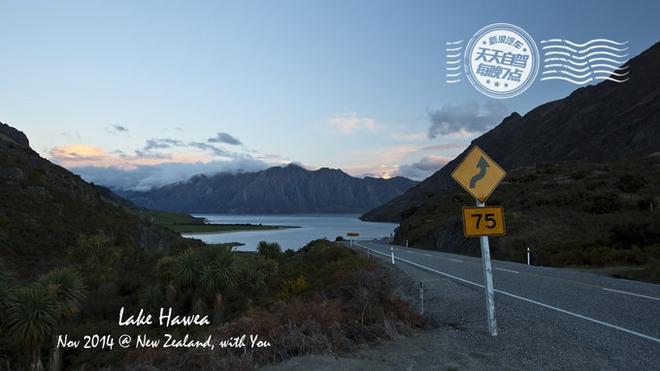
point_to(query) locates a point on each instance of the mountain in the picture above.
(289, 189)
(582, 185)
(607, 121)
(45, 209)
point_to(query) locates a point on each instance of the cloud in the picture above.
(161, 143)
(423, 168)
(465, 118)
(443, 146)
(146, 177)
(209, 147)
(116, 129)
(225, 138)
(77, 152)
(409, 137)
(351, 123)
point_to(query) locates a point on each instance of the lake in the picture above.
(311, 227)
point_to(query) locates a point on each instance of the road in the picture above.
(614, 323)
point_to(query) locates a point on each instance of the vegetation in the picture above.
(322, 298)
(32, 313)
(184, 223)
(600, 215)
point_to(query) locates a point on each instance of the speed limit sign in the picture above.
(483, 221)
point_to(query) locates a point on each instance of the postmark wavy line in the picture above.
(569, 42)
(582, 82)
(587, 56)
(582, 51)
(580, 64)
(582, 76)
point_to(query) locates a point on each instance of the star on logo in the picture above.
(497, 83)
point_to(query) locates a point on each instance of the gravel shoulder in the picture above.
(529, 337)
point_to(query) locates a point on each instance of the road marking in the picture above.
(631, 293)
(427, 255)
(456, 260)
(623, 329)
(506, 270)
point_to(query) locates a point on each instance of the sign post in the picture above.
(351, 235)
(478, 174)
(488, 281)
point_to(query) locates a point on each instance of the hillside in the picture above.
(45, 210)
(570, 164)
(289, 189)
(607, 121)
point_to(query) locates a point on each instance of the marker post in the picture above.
(528, 258)
(488, 281)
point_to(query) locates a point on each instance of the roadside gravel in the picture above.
(530, 338)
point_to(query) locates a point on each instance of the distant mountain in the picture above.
(607, 121)
(289, 189)
(44, 209)
(582, 185)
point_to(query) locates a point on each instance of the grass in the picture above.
(184, 223)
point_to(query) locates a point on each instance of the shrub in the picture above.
(603, 203)
(294, 287)
(631, 183)
(270, 250)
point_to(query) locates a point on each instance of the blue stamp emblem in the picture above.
(501, 60)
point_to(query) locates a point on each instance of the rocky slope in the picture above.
(44, 209)
(289, 189)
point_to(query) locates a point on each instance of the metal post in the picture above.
(488, 282)
(528, 260)
(421, 298)
(406, 243)
(392, 250)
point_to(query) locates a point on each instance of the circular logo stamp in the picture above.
(501, 60)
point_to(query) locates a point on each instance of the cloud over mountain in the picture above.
(465, 118)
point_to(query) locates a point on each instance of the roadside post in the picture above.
(392, 251)
(479, 175)
(528, 260)
(421, 298)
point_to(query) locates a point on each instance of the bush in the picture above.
(631, 183)
(604, 203)
(270, 250)
(294, 287)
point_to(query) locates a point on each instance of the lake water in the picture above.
(312, 226)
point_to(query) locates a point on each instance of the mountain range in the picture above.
(288, 189)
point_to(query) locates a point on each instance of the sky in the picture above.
(137, 94)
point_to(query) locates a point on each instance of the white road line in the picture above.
(456, 260)
(623, 329)
(506, 270)
(631, 293)
(427, 254)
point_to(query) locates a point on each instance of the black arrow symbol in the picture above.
(483, 166)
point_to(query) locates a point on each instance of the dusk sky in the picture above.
(228, 85)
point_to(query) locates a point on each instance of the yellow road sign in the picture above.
(478, 174)
(483, 221)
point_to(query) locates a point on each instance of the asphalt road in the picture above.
(571, 319)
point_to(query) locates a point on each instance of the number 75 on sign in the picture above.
(483, 221)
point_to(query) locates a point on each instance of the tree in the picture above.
(32, 316)
(270, 250)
